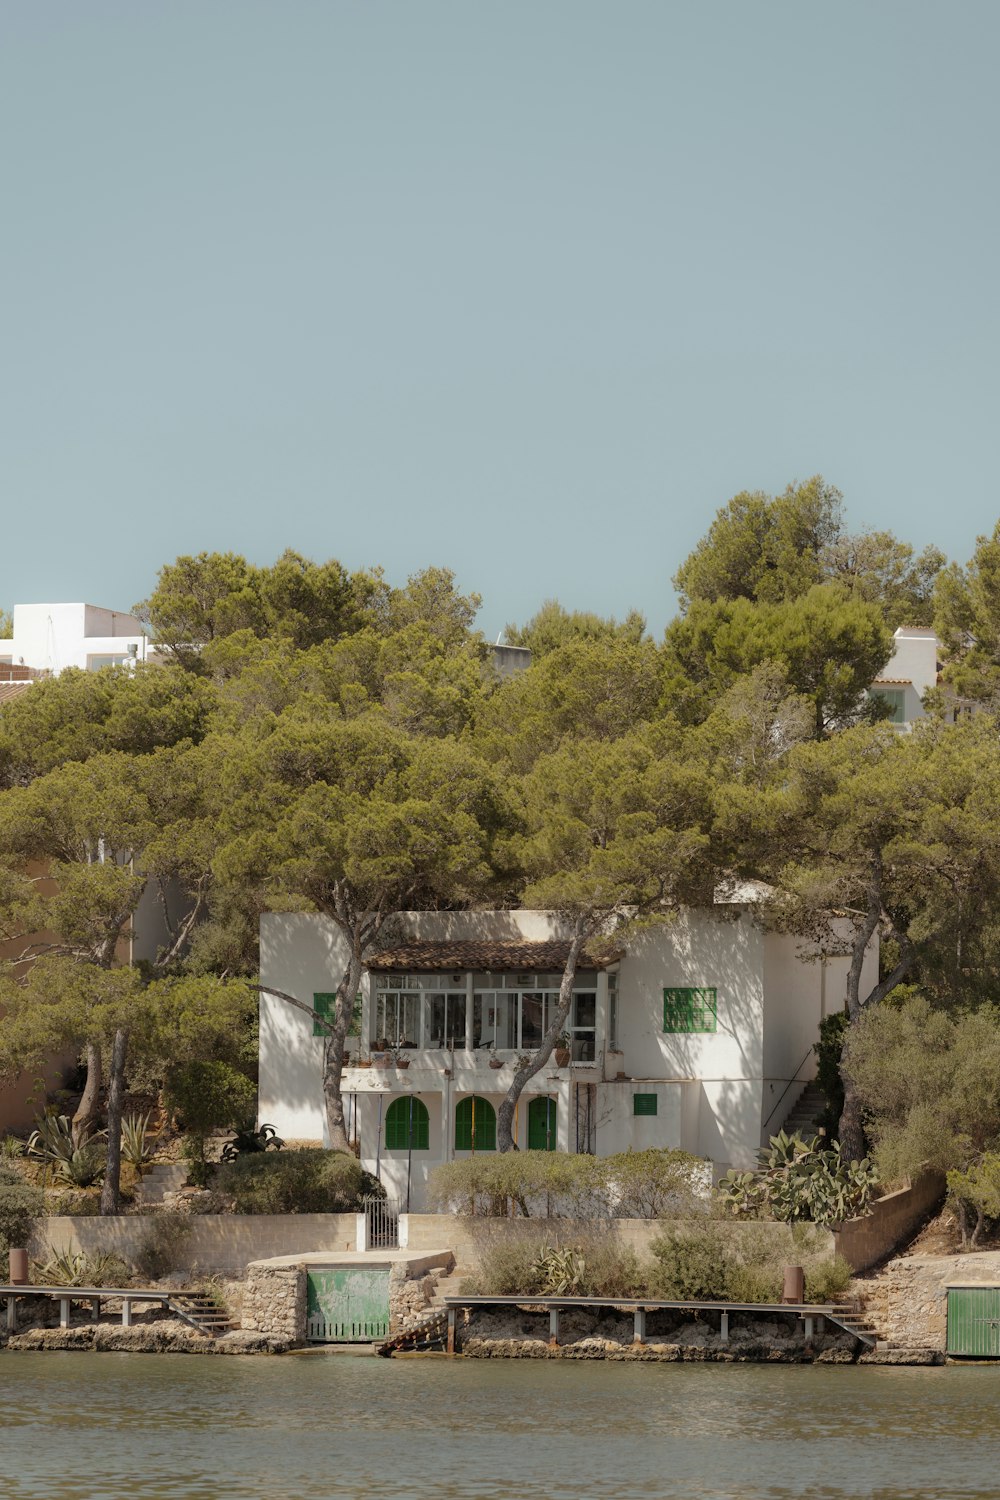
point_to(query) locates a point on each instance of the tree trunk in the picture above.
(87, 1111)
(505, 1114)
(851, 1130)
(333, 1053)
(110, 1192)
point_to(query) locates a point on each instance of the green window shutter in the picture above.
(689, 1010)
(397, 1125)
(475, 1125)
(324, 1008)
(542, 1124)
(644, 1104)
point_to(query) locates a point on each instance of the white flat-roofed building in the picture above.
(51, 637)
(697, 1035)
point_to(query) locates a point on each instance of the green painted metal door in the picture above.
(347, 1304)
(974, 1321)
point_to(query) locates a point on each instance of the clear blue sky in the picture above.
(527, 288)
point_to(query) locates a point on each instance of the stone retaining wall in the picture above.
(206, 1244)
(917, 1295)
(865, 1242)
(274, 1301)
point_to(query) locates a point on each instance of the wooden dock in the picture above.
(195, 1308)
(813, 1316)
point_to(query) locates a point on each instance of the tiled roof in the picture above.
(892, 682)
(500, 957)
(9, 690)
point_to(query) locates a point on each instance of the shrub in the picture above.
(207, 1096)
(826, 1279)
(526, 1256)
(20, 1203)
(158, 1253)
(560, 1185)
(975, 1194)
(293, 1182)
(690, 1263)
(11, 1147)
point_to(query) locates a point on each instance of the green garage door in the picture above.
(974, 1320)
(347, 1304)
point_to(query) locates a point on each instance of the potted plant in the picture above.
(494, 1061)
(381, 1052)
(561, 1050)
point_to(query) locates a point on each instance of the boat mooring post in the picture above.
(639, 1330)
(724, 1328)
(553, 1327)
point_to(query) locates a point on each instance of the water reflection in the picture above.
(81, 1426)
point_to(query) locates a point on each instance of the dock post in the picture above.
(639, 1331)
(724, 1328)
(11, 1315)
(126, 1312)
(95, 1310)
(452, 1316)
(809, 1330)
(63, 1312)
(553, 1327)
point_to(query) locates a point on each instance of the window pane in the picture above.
(584, 1010)
(532, 1020)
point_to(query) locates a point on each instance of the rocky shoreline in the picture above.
(160, 1336)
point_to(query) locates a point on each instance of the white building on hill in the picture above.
(51, 637)
(698, 1035)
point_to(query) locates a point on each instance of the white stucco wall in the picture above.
(51, 637)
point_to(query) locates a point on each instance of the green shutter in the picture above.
(397, 1125)
(324, 1007)
(475, 1125)
(689, 1010)
(542, 1124)
(644, 1104)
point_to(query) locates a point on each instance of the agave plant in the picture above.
(247, 1140)
(136, 1147)
(52, 1142)
(11, 1147)
(560, 1273)
(99, 1269)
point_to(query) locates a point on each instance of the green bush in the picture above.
(691, 1262)
(561, 1185)
(159, 1249)
(826, 1279)
(801, 1180)
(974, 1194)
(293, 1182)
(207, 1096)
(520, 1257)
(20, 1204)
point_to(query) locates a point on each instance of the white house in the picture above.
(910, 674)
(697, 1035)
(51, 637)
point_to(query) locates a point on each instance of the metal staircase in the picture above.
(200, 1311)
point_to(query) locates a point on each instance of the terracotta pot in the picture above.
(561, 1055)
(404, 1062)
(496, 1062)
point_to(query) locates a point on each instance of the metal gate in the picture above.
(974, 1321)
(383, 1223)
(347, 1304)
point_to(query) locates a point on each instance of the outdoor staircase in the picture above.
(201, 1311)
(849, 1312)
(804, 1112)
(163, 1177)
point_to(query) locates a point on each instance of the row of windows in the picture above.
(684, 1010)
(407, 1125)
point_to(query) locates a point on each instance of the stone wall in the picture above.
(410, 1294)
(274, 1301)
(917, 1294)
(864, 1242)
(207, 1244)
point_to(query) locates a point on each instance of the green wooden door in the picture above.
(347, 1304)
(974, 1321)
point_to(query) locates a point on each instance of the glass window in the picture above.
(895, 698)
(396, 1019)
(689, 1010)
(475, 1125)
(582, 1032)
(613, 1011)
(407, 1125)
(446, 1021)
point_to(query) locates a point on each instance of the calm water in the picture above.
(83, 1426)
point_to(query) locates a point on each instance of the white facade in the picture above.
(51, 637)
(717, 1092)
